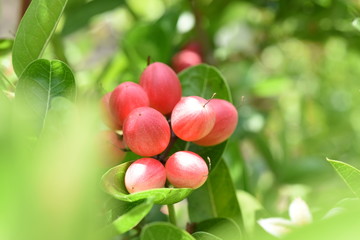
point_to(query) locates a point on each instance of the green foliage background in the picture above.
(292, 68)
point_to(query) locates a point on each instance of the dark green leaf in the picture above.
(113, 182)
(42, 81)
(131, 218)
(349, 174)
(35, 31)
(223, 228)
(205, 236)
(164, 231)
(80, 15)
(216, 198)
(204, 80)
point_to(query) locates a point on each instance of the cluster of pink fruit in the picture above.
(152, 114)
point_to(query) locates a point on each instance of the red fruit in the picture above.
(225, 124)
(162, 86)
(106, 112)
(186, 169)
(145, 174)
(192, 118)
(185, 59)
(125, 98)
(146, 131)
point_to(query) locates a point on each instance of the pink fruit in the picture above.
(125, 98)
(185, 59)
(225, 124)
(146, 131)
(195, 47)
(185, 169)
(192, 118)
(145, 174)
(162, 86)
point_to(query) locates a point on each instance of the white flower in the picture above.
(299, 215)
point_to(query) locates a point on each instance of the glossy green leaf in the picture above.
(204, 80)
(80, 14)
(131, 218)
(349, 174)
(35, 31)
(216, 198)
(164, 231)
(223, 228)
(42, 81)
(205, 236)
(113, 183)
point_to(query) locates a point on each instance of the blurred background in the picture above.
(292, 67)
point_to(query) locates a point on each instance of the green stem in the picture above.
(172, 216)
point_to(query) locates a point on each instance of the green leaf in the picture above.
(42, 81)
(80, 15)
(249, 206)
(35, 31)
(204, 80)
(131, 218)
(205, 236)
(113, 183)
(349, 174)
(223, 228)
(164, 231)
(216, 198)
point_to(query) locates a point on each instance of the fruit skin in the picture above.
(162, 86)
(225, 124)
(185, 59)
(145, 174)
(125, 98)
(146, 131)
(185, 169)
(192, 118)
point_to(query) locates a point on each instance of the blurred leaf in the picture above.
(356, 23)
(271, 87)
(42, 81)
(34, 32)
(349, 174)
(79, 16)
(249, 206)
(216, 198)
(204, 80)
(223, 228)
(113, 183)
(164, 231)
(205, 236)
(131, 218)
(5, 46)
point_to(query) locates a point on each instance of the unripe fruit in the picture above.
(192, 118)
(185, 169)
(125, 98)
(225, 124)
(146, 131)
(185, 59)
(145, 174)
(162, 86)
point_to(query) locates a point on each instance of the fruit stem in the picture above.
(172, 217)
(148, 60)
(162, 157)
(212, 97)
